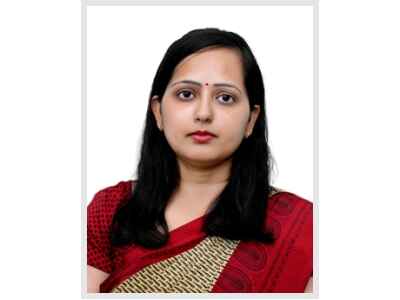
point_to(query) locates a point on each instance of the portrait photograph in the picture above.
(200, 148)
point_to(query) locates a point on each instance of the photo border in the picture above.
(84, 5)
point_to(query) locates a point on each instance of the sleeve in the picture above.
(293, 252)
(299, 255)
(100, 212)
(303, 246)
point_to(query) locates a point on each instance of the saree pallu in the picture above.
(192, 262)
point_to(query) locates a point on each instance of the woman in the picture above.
(202, 215)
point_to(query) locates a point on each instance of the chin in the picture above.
(207, 160)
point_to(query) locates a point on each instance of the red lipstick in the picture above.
(202, 136)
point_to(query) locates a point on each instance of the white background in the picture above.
(40, 187)
(125, 46)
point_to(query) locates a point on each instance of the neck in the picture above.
(201, 175)
(200, 185)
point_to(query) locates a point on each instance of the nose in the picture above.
(204, 109)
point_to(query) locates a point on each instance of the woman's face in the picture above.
(206, 92)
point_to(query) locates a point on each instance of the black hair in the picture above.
(239, 212)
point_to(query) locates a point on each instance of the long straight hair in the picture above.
(239, 212)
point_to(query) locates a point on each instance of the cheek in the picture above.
(232, 134)
(234, 137)
(235, 125)
(175, 125)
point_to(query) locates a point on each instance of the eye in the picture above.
(184, 94)
(226, 98)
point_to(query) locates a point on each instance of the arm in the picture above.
(309, 286)
(94, 278)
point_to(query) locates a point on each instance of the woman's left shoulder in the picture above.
(290, 217)
(285, 202)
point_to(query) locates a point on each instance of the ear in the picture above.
(156, 109)
(252, 120)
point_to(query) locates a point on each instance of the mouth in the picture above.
(201, 136)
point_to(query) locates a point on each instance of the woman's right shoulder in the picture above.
(107, 200)
(100, 213)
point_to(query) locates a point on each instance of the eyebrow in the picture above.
(199, 84)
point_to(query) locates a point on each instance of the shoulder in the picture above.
(113, 195)
(283, 202)
(289, 215)
(106, 201)
(290, 218)
(100, 213)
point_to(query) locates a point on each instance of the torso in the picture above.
(253, 267)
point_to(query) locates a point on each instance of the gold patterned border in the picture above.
(192, 271)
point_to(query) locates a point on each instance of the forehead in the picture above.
(211, 65)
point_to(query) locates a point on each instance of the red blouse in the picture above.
(284, 266)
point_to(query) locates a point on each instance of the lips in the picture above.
(203, 133)
(202, 136)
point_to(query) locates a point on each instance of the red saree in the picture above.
(194, 263)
